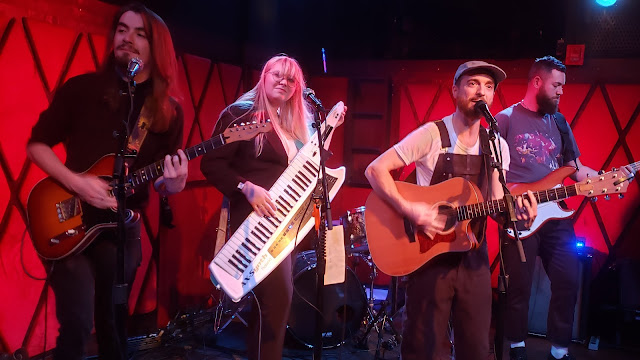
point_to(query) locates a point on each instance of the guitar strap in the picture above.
(139, 132)
(567, 145)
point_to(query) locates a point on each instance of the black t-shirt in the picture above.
(85, 114)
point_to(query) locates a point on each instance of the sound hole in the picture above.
(449, 215)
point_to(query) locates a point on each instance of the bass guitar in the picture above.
(57, 223)
(399, 248)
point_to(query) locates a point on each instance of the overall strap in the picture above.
(444, 134)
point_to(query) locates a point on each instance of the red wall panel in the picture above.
(70, 43)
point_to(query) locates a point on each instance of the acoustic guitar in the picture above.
(399, 248)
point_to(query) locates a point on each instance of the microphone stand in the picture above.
(503, 278)
(120, 288)
(325, 224)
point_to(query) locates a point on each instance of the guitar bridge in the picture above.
(67, 209)
(409, 229)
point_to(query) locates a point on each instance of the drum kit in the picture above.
(351, 310)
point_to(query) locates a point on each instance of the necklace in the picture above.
(525, 106)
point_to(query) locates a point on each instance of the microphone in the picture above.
(135, 65)
(310, 95)
(482, 108)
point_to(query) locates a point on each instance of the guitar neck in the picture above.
(155, 170)
(471, 211)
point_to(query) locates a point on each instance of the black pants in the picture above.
(274, 295)
(454, 286)
(555, 243)
(83, 288)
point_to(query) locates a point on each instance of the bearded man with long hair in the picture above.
(84, 115)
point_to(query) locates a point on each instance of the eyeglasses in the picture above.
(277, 77)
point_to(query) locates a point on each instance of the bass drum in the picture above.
(345, 305)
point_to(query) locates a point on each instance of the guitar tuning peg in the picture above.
(594, 199)
(242, 124)
(606, 197)
(620, 196)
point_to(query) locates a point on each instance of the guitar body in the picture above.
(398, 252)
(58, 230)
(546, 211)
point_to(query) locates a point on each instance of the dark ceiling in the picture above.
(249, 31)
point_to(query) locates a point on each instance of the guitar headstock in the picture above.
(246, 131)
(607, 184)
(334, 115)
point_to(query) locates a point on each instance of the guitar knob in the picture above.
(594, 199)
(600, 172)
(606, 197)
(620, 196)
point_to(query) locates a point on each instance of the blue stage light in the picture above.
(580, 244)
(605, 2)
(324, 61)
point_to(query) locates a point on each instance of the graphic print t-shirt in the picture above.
(535, 143)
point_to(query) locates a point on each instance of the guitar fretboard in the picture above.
(155, 170)
(471, 211)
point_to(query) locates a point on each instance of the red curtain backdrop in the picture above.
(40, 49)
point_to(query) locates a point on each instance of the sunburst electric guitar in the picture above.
(399, 248)
(56, 219)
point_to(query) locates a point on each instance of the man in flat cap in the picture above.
(453, 286)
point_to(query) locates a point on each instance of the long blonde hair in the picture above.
(295, 113)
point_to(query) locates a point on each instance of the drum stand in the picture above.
(226, 311)
(380, 321)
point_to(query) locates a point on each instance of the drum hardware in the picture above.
(355, 233)
(380, 320)
(343, 310)
(227, 310)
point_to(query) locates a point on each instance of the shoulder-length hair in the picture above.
(294, 115)
(164, 68)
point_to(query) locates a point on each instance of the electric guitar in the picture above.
(398, 248)
(57, 223)
(552, 210)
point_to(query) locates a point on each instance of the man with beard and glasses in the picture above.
(455, 285)
(84, 115)
(541, 141)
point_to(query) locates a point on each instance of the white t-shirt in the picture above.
(423, 146)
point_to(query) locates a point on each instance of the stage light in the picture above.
(580, 244)
(605, 2)
(324, 61)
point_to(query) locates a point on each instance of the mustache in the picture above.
(127, 48)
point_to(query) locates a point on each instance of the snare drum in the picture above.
(345, 305)
(355, 233)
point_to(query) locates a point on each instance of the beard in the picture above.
(546, 105)
(468, 108)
